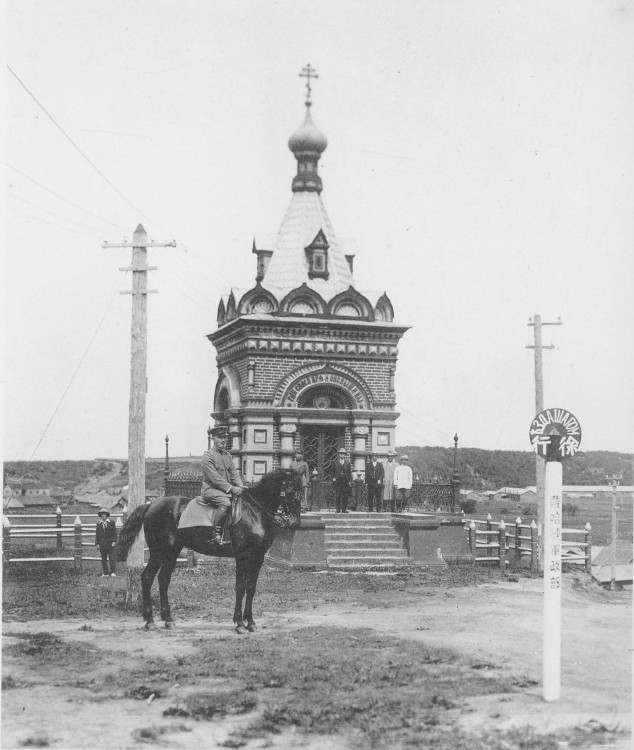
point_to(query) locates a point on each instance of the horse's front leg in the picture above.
(164, 577)
(241, 583)
(253, 571)
(147, 579)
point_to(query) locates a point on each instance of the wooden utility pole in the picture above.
(614, 480)
(138, 390)
(540, 464)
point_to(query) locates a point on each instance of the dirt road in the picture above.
(497, 625)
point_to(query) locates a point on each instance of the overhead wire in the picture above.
(73, 376)
(53, 213)
(73, 144)
(61, 197)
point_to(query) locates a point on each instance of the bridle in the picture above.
(281, 515)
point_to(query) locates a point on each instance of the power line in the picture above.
(83, 357)
(61, 197)
(50, 223)
(72, 142)
(47, 211)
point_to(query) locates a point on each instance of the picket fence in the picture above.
(82, 534)
(500, 542)
(490, 541)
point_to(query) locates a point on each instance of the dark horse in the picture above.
(251, 537)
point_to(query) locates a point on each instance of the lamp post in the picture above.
(614, 481)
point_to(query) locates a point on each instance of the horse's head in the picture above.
(291, 495)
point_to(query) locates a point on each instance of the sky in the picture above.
(480, 154)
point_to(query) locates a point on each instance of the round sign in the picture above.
(555, 434)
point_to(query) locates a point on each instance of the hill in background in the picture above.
(478, 469)
(489, 470)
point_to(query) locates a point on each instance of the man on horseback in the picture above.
(221, 481)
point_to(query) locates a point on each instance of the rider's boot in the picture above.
(217, 527)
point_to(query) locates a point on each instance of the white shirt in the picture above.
(403, 477)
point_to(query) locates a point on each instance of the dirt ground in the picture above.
(496, 625)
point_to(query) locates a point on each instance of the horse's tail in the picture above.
(130, 532)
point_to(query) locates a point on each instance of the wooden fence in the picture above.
(76, 535)
(500, 542)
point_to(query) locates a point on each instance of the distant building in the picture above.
(602, 563)
(515, 494)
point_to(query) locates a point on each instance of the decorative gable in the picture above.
(317, 255)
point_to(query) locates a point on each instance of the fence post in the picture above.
(534, 546)
(191, 561)
(518, 541)
(472, 538)
(488, 536)
(58, 521)
(588, 548)
(77, 545)
(6, 541)
(502, 543)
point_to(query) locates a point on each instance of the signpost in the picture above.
(555, 435)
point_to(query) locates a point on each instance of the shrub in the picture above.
(468, 506)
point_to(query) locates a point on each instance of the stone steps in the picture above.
(363, 541)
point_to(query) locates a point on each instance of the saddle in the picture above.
(198, 513)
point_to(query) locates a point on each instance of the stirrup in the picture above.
(216, 535)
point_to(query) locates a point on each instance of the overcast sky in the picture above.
(480, 153)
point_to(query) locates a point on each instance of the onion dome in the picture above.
(307, 143)
(308, 137)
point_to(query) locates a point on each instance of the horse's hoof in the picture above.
(150, 625)
(169, 624)
(240, 629)
(251, 627)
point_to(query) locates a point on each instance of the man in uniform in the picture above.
(221, 481)
(342, 477)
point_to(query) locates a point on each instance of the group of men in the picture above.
(387, 484)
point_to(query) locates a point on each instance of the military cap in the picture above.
(342, 450)
(104, 512)
(219, 431)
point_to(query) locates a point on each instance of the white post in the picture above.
(551, 666)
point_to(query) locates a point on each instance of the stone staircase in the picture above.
(363, 542)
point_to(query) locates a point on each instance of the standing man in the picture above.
(105, 539)
(374, 474)
(388, 481)
(402, 483)
(343, 481)
(221, 481)
(301, 467)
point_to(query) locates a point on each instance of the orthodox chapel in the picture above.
(305, 359)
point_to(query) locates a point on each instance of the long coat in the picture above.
(388, 484)
(106, 535)
(219, 474)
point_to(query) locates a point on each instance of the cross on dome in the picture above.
(308, 72)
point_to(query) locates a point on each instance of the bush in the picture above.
(468, 506)
(570, 509)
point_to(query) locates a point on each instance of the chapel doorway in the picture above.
(320, 445)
